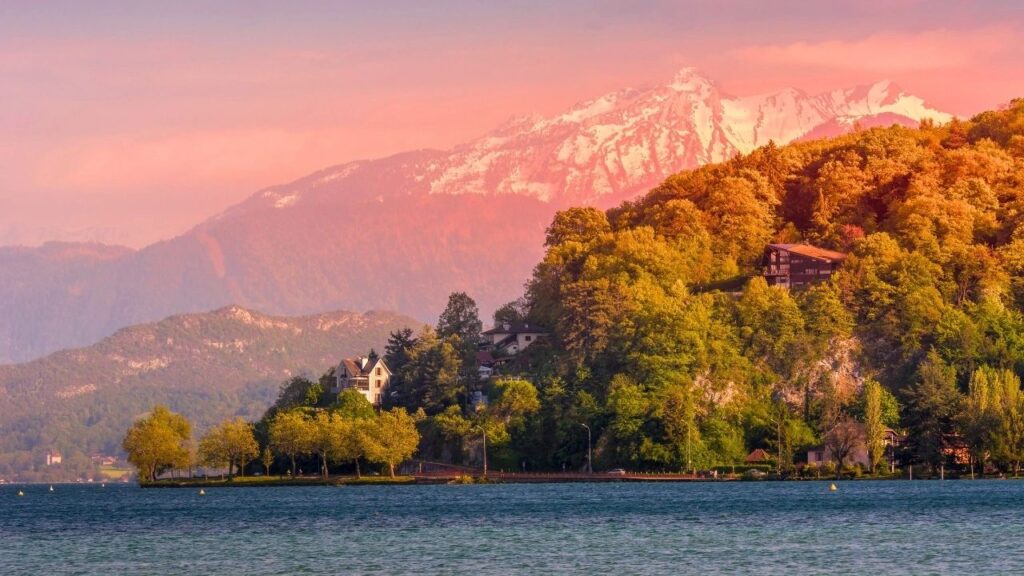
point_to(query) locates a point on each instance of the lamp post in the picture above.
(590, 459)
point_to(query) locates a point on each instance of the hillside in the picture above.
(206, 365)
(402, 232)
(924, 311)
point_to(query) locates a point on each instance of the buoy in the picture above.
(104, 485)
(20, 493)
(51, 488)
(202, 492)
(832, 488)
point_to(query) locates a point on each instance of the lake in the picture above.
(921, 527)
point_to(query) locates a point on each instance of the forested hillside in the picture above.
(927, 303)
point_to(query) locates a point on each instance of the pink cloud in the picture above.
(890, 51)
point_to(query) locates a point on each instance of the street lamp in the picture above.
(590, 459)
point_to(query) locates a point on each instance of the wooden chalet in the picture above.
(796, 265)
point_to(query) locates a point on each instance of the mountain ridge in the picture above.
(404, 231)
(208, 365)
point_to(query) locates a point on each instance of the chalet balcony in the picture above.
(776, 270)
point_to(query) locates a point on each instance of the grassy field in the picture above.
(114, 473)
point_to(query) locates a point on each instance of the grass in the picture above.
(114, 473)
(240, 481)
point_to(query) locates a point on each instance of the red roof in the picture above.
(758, 455)
(811, 251)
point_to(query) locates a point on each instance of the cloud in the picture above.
(889, 51)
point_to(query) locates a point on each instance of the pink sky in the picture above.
(131, 121)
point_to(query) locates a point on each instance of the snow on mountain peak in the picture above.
(618, 145)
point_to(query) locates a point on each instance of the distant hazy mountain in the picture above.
(402, 232)
(208, 366)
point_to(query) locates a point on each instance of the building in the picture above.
(500, 345)
(53, 458)
(511, 339)
(821, 454)
(370, 377)
(795, 265)
(758, 456)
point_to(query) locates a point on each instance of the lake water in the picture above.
(923, 527)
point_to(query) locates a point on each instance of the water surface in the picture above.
(924, 527)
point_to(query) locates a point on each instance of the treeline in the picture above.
(162, 441)
(670, 348)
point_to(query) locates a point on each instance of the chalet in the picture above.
(795, 265)
(53, 458)
(499, 345)
(510, 339)
(370, 377)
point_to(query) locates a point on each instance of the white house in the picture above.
(370, 377)
(511, 339)
(53, 458)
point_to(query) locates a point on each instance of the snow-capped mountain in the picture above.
(620, 144)
(402, 232)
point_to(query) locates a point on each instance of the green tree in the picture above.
(291, 434)
(351, 404)
(932, 406)
(230, 443)
(327, 438)
(874, 425)
(158, 442)
(392, 439)
(267, 459)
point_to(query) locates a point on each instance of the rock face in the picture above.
(403, 232)
(208, 366)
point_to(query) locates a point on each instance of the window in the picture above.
(529, 338)
(378, 371)
(378, 384)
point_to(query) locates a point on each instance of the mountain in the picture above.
(208, 366)
(403, 232)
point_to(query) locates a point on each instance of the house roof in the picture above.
(484, 357)
(811, 252)
(352, 366)
(758, 455)
(516, 328)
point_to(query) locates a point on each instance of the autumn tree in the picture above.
(291, 434)
(158, 442)
(230, 443)
(392, 438)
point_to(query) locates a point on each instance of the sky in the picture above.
(130, 122)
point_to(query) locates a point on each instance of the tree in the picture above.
(874, 426)
(291, 434)
(267, 458)
(398, 349)
(158, 442)
(932, 405)
(845, 437)
(232, 443)
(392, 439)
(351, 404)
(326, 438)
(351, 446)
(431, 377)
(460, 324)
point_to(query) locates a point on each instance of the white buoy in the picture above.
(51, 488)
(832, 487)
(202, 492)
(20, 493)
